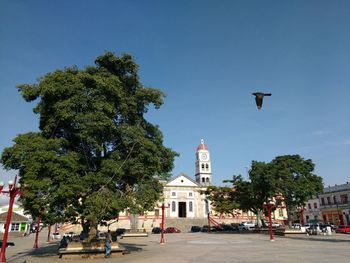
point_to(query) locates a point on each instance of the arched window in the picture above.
(173, 206)
(202, 166)
(207, 167)
(190, 206)
(207, 179)
(203, 180)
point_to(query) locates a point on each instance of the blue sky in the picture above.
(208, 57)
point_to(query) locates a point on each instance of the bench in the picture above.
(87, 250)
(133, 235)
(290, 233)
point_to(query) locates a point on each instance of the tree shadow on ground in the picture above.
(46, 251)
(131, 247)
(320, 239)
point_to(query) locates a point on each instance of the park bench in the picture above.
(133, 235)
(87, 250)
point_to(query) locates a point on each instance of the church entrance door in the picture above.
(182, 209)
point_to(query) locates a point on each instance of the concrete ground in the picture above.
(201, 248)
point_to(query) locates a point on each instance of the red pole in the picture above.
(48, 234)
(208, 223)
(270, 221)
(162, 230)
(13, 191)
(37, 232)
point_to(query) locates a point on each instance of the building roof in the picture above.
(337, 188)
(14, 218)
(190, 180)
(202, 146)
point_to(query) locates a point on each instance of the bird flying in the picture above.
(259, 96)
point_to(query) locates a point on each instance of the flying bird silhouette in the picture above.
(259, 96)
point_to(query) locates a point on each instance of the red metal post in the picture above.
(37, 232)
(162, 229)
(270, 221)
(163, 206)
(13, 191)
(208, 222)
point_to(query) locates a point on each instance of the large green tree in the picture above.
(295, 180)
(95, 153)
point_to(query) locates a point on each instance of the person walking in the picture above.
(108, 244)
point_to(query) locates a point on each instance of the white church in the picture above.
(183, 194)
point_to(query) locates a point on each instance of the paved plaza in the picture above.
(202, 248)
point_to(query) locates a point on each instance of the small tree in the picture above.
(95, 154)
(222, 199)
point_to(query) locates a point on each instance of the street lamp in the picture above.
(12, 192)
(163, 206)
(268, 205)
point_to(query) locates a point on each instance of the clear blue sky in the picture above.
(208, 57)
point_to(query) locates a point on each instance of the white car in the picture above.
(248, 224)
(56, 235)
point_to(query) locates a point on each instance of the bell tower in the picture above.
(203, 165)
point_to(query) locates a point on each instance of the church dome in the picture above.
(202, 146)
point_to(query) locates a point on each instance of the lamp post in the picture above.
(12, 192)
(163, 206)
(268, 205)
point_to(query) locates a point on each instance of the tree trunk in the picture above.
(93, 231)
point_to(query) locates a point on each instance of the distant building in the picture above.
(335, 205)
(19, 222)
(312, 212)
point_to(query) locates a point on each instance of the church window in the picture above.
(191, 207)
(203, 180)
(202, 166)
(190, 194)
(173, 206)
(173, 194)
(280, 212)
(207, 167)
(207, 179)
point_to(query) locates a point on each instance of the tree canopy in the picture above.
(95, 153)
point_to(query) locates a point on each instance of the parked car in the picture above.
(296, 226)
(56, 235)
(226, 227)
(239, 227)
(205, 228)
(156, 230)
(172, 230)
(196, 229)
(8, 244)
(248, 224)
(274, 224)
(120, 231)
(343, 229)
(70, 234)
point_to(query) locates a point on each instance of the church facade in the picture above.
(183, 194)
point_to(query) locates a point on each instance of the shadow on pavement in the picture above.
(49, 250)
(321, 239)
(130, 247)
